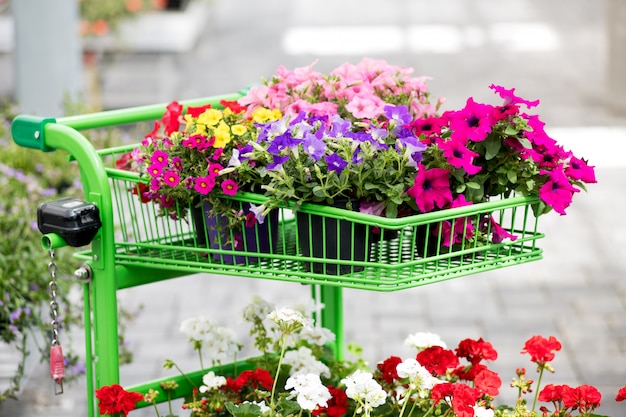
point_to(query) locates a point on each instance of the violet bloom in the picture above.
(398, 117)
(372, 207)
(277, 163)
(335, 163)
(414, 149)
(257, 211)
(314, 146)
(283, 142)
(339, 126)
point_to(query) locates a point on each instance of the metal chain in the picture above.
(54, 306)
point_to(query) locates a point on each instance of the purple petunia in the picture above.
(335, 163)
(314, 146)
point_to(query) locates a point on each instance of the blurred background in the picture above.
(570, 54)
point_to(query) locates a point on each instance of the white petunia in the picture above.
(423, 340)
(317, 335)
(309, 391)
(196, 328)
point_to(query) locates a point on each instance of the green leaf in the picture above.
(244, 410)
(511, 130)
(492, 147)
(460, 188)
(525, 143)
(318, 191)
(472, 185)
(288, 408)
(512, 176)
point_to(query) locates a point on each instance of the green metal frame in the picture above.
(117, 264)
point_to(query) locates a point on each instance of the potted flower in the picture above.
(454, 159)
(295, 374)
(189, 163)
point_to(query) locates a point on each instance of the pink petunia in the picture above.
(557, 192)
(365, 108)
(459, 156)
(431, 188)
(473, 122)
(509, 97)
(578, 169)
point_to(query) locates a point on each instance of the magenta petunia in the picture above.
(204, 185)
(431, 188)
(473, 122)
(229, 187)
(557, 192)
(578, 169)
(509, 97)
(459, 156)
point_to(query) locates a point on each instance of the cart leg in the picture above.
(331, 315)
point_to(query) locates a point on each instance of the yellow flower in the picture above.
(263, 115)
(222, 135)
(211, 117)
(239, 130)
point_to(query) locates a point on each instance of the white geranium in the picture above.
(363, 388)
(317, 335)
(196, 328)
(308, 390)
(221, 344)
(211, 382)
(257, 310)
(302, 361)
(418, 376)
(423, 340)
(482, 412)
(288, 319)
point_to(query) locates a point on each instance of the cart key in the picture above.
(57, 367)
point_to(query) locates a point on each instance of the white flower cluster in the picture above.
(363, 388)
(308, 390)
(257, 310)
(302, 361)
(289, 320)
(423, 340)
(418, 376)
(317, 335)
(219, 343)
(211, 382)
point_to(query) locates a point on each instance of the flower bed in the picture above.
(296, 374)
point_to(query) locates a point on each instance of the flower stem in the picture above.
(537, 389)
(156, 409)
(283, 347)
(408, 396)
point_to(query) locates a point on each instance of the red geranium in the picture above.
(488, 382)
(476, 350)
(437, 359)
(116, 400)
(387, 369)
(255, 379)
(336, 406)
(621, 394)
(541, 350)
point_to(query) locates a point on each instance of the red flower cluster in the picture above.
(116, 400)
(541, 350)
(584, 398)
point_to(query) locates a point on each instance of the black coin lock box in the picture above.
(76, 221)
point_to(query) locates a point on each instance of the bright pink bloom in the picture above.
(229, 187)
(171, 178)
(431, 188)
(557, 192)
(511, 98)
(365, 108)
(473, 122)
(159, 157)
(204, 185)
(155, 170)
(214, 169)
(579, 170)
(459, 156)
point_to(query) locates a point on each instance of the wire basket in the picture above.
(321, 244)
